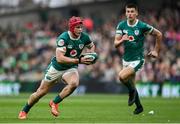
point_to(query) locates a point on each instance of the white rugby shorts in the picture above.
(52, 74)
(136, 65)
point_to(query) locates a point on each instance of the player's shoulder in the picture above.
(84, 35)
(62, 39)
(142, 23)
(122, 23)
(63, 36)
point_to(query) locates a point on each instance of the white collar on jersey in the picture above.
(134, 23)
(72, 37)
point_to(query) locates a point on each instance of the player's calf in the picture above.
(132, 97)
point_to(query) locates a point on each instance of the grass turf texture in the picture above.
(92, 108)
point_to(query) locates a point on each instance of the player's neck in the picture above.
(132, 22)
(73, 36)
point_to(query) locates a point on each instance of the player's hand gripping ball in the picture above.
(91, 56)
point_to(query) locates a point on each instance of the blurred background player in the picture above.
(63, 66)
(131, 34)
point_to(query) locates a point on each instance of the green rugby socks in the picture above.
(129, 86)
(137, 101)
(26, 108)
(57, 99)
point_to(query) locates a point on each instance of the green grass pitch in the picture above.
(91, 108)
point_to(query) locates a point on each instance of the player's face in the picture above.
(131, 14)
(78, 29)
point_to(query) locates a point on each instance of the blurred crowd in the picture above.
(26, 51)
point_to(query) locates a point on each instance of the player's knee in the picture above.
(34, 96)
(74, 84)
(121, 77)
(41, 92)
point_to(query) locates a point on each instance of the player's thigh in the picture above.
(130, 68)
(71, 76)
(126, 73)
(52, 75)
(136, 65)
(45, 86)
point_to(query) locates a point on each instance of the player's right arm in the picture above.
(61, 58)
(119, 39)
(61, 50)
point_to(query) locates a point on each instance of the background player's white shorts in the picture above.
(136, 65)
(52, 74)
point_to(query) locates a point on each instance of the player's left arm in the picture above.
(158, 36)
(89, 44)
(90, 47)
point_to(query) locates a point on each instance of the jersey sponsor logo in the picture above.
(70, 46)
(125, 31)
(81, 46)
(131, 38)
(73, 53)
(61, 42)
(136, 32)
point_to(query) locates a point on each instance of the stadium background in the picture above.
(28, 30)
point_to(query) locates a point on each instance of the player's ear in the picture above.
(137, 13)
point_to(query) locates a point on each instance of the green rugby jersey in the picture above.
(72, 48)
(134, 47)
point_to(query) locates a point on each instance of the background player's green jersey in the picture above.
(133, 48)
(71, 47)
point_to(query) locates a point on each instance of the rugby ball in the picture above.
(92, 56)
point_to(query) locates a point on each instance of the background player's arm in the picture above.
(156, 50)
(63, 59)
(119, 39)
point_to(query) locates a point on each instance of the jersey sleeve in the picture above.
(147, 29)
(61, 44)
(119, 28)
